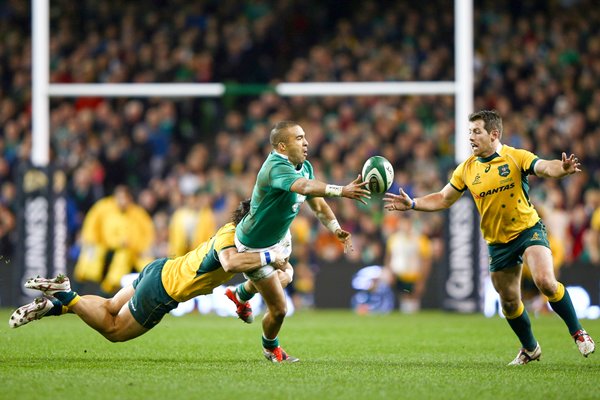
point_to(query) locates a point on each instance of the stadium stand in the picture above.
(535, 63)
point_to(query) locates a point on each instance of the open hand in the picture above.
(570, 165)
(397, 202)
(357, 190)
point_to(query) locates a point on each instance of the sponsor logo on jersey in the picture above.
(487, 168)
(496, 190)
(503, 170)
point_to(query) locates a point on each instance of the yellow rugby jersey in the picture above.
(199, 271)
(500, 187)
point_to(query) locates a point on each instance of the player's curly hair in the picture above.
(241, 211)
(491, 120)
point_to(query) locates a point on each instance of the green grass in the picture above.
(431, 355)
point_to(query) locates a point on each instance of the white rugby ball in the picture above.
(379, 173)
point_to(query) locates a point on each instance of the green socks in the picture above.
(242, 294)
(66, 297)
(270, 343)
(521, 325)
(562, 305)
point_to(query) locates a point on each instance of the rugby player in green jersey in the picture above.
(284, 182)
(496, 176)
(160, 287)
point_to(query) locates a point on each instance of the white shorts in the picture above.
(283, 248)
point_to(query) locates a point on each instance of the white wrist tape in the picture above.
(265, 258)
(333, 190)
(333, 225)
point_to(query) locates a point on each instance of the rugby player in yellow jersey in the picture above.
(160, 287)
(496, 176)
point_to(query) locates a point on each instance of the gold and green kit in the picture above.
(164, 283)
(199, 271)
(500, 187)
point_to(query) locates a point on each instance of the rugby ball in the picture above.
(379, 173)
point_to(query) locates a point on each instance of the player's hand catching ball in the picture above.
(357, 190)
(397, 202)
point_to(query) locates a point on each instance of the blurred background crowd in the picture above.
(186, 162)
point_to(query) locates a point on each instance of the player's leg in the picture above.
(243, 292)
(110, 317)
(284, 275)
(507, 282)
(274, 296)
(539, 260)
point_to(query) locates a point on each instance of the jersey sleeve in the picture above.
(283, 176)
(457, 180)
(527, 161)
(224, 238)
(311, 174)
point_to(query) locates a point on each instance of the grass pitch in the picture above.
(432, 355)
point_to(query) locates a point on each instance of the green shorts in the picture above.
(150, 302)
(505, 255)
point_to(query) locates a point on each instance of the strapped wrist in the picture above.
(413, 204)
(333, 225)
(265, 258)
(333, 190)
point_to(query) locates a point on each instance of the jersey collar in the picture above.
(280, 155)
(490, 158)
(296, 167)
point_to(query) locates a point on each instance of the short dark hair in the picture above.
(491, 119)
(241, 211)
(279, 130)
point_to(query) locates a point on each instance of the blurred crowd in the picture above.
(537, 63)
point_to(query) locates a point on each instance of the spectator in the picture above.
(116, 237)
(408, 263)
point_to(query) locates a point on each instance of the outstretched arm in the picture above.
(431, 202)
(312, 187)
(557, 168)
(232, 261)
(327, 218)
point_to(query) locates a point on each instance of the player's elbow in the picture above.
(302, 186)
(228, 265)
(227, 262)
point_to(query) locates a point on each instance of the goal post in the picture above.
(43, 90)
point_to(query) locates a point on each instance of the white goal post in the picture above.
(42, 89)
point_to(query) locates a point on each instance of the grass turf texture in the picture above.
(431, 355)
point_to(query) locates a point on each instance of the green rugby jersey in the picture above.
(273, 206)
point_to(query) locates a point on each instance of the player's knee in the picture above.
(278, 312)
(510, 307)
(285, 277)
(112, 306)
(112, 334)
(547, 286)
